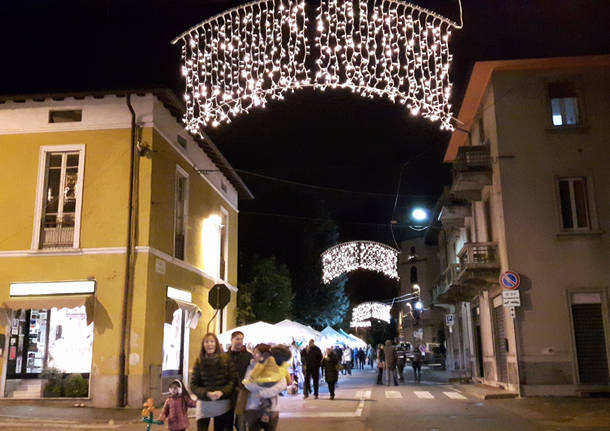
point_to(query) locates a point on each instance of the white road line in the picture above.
(455, 395)
(393, 394)
(363, 394)
(423, 394)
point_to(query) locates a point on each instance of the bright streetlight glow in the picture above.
(419, 214)
(419, 305)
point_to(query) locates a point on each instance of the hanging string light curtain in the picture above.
(350, 256)
(240, 59)
(362, 313)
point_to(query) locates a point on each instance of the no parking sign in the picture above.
(510, 280)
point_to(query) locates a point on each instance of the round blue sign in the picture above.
(510, 280)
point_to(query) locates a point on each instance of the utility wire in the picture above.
(332, 189)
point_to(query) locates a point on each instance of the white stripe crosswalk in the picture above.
(423, 395)
(455, 395)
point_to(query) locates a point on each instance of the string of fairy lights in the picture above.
(239, 60)
(353, 255)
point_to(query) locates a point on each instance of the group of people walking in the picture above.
(237, 387)
(391, 361)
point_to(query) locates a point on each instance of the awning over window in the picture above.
(193, 312)
(52, 301)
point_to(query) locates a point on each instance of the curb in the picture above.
(506, 396)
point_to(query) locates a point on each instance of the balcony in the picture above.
(471, 172)
(454, 213)
(57, 237)
(480, 266)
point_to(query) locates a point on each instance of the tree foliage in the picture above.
(265, 292)
(315, 303)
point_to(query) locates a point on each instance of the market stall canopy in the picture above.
(301, 332)
(52, 301)
(358, 342)
(335, 337)
(259, 332)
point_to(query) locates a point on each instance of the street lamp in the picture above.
(419, 219)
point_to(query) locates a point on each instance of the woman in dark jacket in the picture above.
(213, 381)
(330, 363)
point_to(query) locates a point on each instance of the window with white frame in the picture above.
(224, 243)
(59, 198)
(180, 212)
(565, 109)
(574, 204)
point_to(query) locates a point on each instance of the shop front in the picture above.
(49, 340)
(181, 315)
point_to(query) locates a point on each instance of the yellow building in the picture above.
(103, 276)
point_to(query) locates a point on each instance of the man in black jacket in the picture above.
(241, 359)
(311, 357)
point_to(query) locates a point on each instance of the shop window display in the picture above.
(49, 338)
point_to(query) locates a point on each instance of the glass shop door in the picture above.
(28, 344)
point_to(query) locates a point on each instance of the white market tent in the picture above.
(300, 332)
(333, 337)
(358, 341)
(259, 332)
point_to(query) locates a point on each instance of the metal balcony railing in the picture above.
(472, 158)
(57, 237)
(479, 253)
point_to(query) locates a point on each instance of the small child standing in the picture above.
(175, 409)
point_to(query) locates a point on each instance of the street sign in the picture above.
(219, 296)
(510, 280)
(511, 298)
(449, 319)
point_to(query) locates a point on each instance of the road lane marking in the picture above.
(455, 395)
(363, 394)
(393, 394)
(423, 394)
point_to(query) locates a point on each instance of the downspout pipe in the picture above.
(129, 265)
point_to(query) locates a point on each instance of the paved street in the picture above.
(432, 405)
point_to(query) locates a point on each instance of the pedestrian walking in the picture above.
(213, 382)
(241, 360)
(262, 410)
(380, 363)
(330, 366)
(390, 362)
(175, 409)
(347, 360)
(311, 357)
(401, 360)
(371, 354)
(416, 363)
(361, 358)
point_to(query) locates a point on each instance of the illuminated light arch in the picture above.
(350, 256)
(238, 60)
(363, 313)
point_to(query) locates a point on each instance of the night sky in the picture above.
(332, 139)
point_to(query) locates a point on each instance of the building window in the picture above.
(181, 141)
(66, 116)
(565, 109)
(59, 197)
(224, 243)
(180, 213)
(574, 203)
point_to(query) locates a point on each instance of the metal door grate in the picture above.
(500, 343)
(590, 343)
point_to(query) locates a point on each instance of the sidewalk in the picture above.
(28, 410)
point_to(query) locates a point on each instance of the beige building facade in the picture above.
(530, 194)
